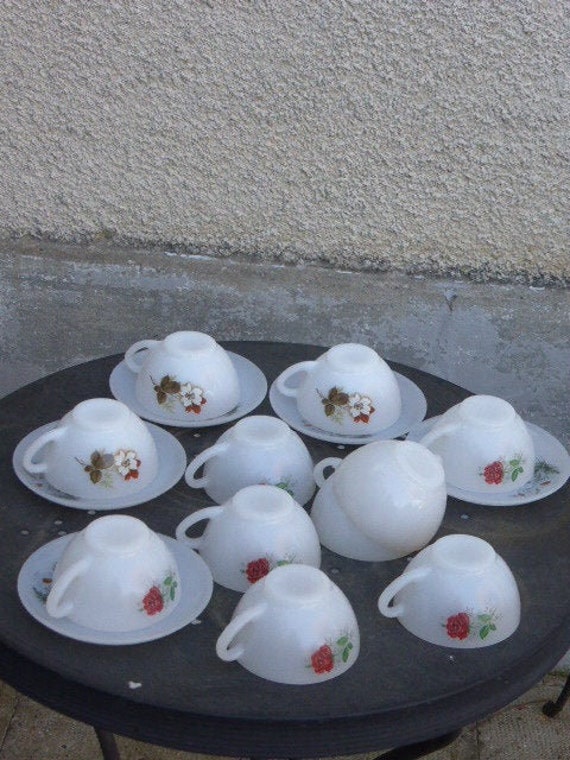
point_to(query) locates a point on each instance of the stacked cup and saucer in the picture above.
(348, 395)
(491, 456)
(187, 380)
(117, 564)
(102, 455)
(99, 455)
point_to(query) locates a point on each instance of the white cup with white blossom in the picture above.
(100, 449)
(188, 375)
(348, 390)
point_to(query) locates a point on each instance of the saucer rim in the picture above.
(296, 422)
(508, 498)
(194, 572)
(122, 372)
(166, 443)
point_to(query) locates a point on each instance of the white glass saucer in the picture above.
(551, 470)
(172, 463)
(414, 407)
(195, 580)
(252, 381)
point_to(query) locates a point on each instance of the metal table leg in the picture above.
(108, 744)
(550, 709)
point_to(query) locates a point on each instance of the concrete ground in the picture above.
(61, 305)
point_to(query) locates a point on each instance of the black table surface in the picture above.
(400, 690)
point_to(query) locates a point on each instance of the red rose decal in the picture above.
(322, 661)
(458, 626)
(153, 602)
(256, 569)
(494, 473)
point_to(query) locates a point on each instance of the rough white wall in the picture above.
(421, 135)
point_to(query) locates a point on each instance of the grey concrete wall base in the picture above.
(60, 305)
(64, 304)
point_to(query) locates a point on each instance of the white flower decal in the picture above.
(126, 463)
(360, 407)
(338, 403)
(191, 395)
(100, 467)
(169, 391)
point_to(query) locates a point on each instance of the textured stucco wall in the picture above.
(421, 135)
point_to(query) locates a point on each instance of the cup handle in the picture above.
(131, 361)
(223, 648)
(38, 467)
(320, 467)
(438, 431)
(294, 369)
(55, 606)
(202, 514)
(198, 461)
(395, 610)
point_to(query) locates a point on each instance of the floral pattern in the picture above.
(464, 625)
(101, 466)
(170, 392)
(285, 484)
(324, 659)
(42, 584)
(338, 404)
(154, 601)
(159, 595)
(262, 566)
(495, 473)
(542, 477)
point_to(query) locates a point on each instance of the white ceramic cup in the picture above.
(336, 530)
(98, 450)
(457, 592)
(115, 575)
(392, 492)
(349, 390)
(256, 450)
(484, 445)
(186, 374)
(294, 626)
(258, 529)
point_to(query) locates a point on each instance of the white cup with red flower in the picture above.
(116, 575)
(100, 449)
(185, 375)
(383, 501)
(294, 626)
(457, 592)
(348, 390)
(484, 445)
(260, 528)
(257, 450)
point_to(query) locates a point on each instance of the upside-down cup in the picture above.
(383, 501)
(349, 390)
(457, 592)
(484, 445)
(186, 375)
(295, 626)
(257, 450)
(115, 575)
(99, 449)
(258, 529)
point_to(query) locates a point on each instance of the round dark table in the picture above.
(401, 691)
